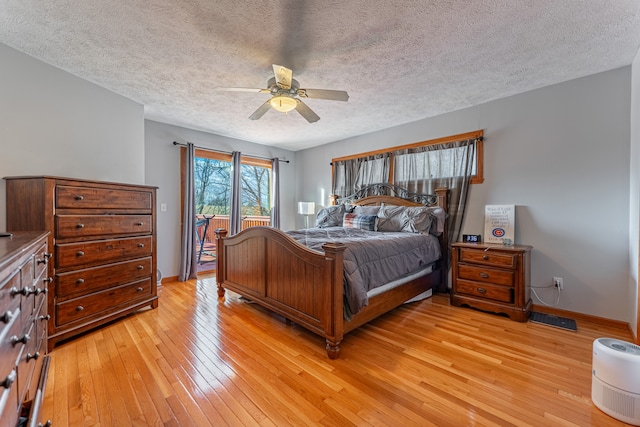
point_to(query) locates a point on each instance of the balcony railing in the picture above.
(222, 221)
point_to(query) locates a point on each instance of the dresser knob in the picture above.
(79, 281)
(6, 317)
(80, 253)
(34, 356)
(23, 339)
(140, 289)
(140, 223)
(47, 280)
(484, 275)
(14, 291)
(47, 424)
(486, 257)
(79, 197)
(141, 267)
(44, 318)
(11, 378)
(42, 261)
(79, 308)
(481, 290)
(141, 245)
(79, 225)
(47, 256)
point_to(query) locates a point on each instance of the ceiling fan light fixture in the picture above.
(284, 104)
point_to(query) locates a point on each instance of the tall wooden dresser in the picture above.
(103, 237)
(24, 363)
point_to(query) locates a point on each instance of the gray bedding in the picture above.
(372, 258)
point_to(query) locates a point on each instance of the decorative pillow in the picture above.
(330, 216)
(390, 218)
(364, 222)
(416, 219)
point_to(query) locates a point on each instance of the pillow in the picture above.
(416, 219)
(365, 210)
(363, 222)
(390, 218)
(330, 216)
(438, 216)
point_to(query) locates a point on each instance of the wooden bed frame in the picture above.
(268, 267)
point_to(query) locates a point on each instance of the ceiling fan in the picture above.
(284, 89)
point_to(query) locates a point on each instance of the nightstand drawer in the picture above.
(487, 291)
(488, 258)
(486, 275)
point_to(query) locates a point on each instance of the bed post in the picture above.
(221, 233)
(443, 202)
(334, 323)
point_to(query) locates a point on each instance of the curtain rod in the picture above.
(228, 152)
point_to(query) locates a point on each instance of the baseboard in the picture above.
(169, 279)
(585, 317)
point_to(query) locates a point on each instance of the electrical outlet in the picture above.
(557, 283)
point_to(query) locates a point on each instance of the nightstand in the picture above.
(492, 277)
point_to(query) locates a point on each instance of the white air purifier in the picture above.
(615, 385)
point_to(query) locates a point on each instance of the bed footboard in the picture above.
(265, 265)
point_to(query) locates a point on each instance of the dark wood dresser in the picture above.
(24, 363)
(492, 277)
(103, 239)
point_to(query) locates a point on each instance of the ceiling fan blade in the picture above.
(333, 95)
(261, 111)
(241, 89)
(284, 76)
(307, 112)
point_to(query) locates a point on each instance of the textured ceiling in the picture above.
(399, 60)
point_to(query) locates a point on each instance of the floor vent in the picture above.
(555, 321)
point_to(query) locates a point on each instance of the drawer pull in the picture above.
(79, 281)
(140, 223)
(47, 424)
(23, 339)
(34, 356)
(79, 197)
(80, 253)
(484, 275)
(79, 225)
(140, 289)
(49, 255)
(44, 318)
(47, 280)
(141, 245)
(486, 257)
(13, 291)
(24, 291)
(141, 267)
(11, 378)
(481, 290)
(6, 317)
(79, 308)
(43, 261)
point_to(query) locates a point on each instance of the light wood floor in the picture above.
(198, 361)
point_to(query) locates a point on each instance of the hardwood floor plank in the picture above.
(197, 360)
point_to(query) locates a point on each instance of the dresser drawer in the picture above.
(9, 349)
(101, 302)
(485, 290)
(486, 275)
(82, 282)
(497, 259)
(102, 198)
(70, 226)
(76, 254)
(9, 404)
(9, 300)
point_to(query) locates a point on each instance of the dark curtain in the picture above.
(275, 184)
(188, 256)
(236, 194)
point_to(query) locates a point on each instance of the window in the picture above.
(421, 161)
(212, 187)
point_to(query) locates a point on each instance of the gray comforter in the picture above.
(372, 258)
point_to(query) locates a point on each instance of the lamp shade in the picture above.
(306, 208)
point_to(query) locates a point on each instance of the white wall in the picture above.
(634, 196)
(561, 154)
(54, 123)
(162, 168)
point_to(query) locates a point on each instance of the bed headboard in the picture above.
(375, 194)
